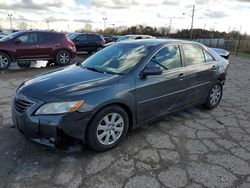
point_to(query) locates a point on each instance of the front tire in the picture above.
(5, 61)
(108, 128)
(63, 57)
(214, 96)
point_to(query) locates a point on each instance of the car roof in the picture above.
(154, 41)
(134, 35)
(40, 31)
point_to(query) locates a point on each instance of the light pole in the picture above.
(104, 22)
(10, 15)
(192, 22)
(47, 21)
(170, 24)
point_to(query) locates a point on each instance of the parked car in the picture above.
(2, 35)
(118, 89)
(134, 37)
(223, 53)
(109, 38)
(31, 45)
(88, 42)
(129, 38)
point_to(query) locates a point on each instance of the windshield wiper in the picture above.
(94, 69)
(111, 72)
(101, 71)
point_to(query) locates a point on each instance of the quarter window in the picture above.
(91, 37)
(167, 58)
(193, 54)
(28, 38)
(208, 57)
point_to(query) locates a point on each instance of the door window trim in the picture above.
(204, 50)
(183, 52)
(164, 71)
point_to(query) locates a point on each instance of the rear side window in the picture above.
(166, 58)
(46, 37)
(208, 57)
(91, 37)
(193, 54)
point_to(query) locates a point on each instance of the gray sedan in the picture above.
(118, 89)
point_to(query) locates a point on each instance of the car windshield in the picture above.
(72, 35)
(9, 37)
(116, 59)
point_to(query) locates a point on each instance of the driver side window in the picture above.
(167, 58)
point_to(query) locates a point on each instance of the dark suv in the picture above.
(36, 45)
(87, 42)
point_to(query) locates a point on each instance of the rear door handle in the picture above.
(35, 46)
(181, 76)
(214, 68)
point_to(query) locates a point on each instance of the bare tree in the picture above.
(88, 27)
(23, 26)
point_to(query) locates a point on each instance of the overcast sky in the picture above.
(219, 14)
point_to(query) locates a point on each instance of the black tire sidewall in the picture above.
(24, 64)
(92, 140)
(98, 48)
(9, 60)
(57, 57)
(208, 103)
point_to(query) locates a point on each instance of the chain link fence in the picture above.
(238, 46)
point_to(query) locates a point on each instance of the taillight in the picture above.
(71, 43)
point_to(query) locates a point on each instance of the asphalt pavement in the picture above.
(192, 148)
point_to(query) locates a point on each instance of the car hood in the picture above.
(65, 84)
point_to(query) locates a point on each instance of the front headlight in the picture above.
(59, 107)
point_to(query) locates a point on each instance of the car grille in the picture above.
(21, 105)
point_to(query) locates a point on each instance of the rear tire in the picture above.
(5, 61)
(63, 57)
(214, 96)
(98, 48)
(24, 64)
(108, 127)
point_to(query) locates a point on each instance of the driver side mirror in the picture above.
(151, 71)
(17, 41)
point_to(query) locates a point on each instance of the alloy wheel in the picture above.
(215, 94)
(110, 128)
(4, 61)
(64, 58)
